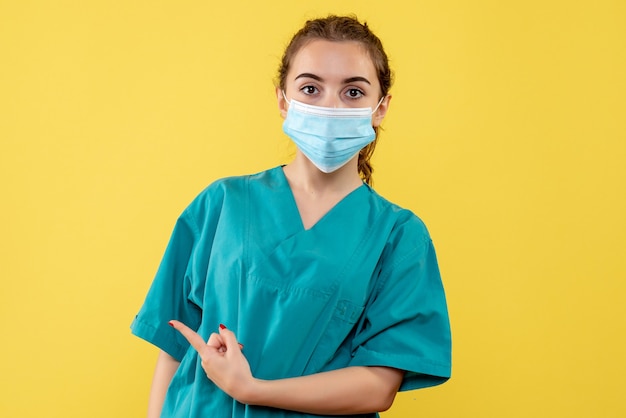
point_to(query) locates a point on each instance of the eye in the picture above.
(309, 90)
(354, 93)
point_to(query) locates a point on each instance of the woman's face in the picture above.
(333, 74)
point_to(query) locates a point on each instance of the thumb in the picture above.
(230, 340)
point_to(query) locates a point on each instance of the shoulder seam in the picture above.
(425, 242)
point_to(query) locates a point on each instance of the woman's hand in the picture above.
(222, 360)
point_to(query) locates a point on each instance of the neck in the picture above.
(302, 174)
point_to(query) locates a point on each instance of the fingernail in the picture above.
(222, 326)
(240, 346)
(171, 324)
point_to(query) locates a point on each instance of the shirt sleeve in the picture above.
(168, 297)
(406, 325)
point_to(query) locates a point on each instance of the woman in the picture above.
(334, 292)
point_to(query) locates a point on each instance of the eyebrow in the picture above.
(346, 81)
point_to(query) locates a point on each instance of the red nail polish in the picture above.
(171, 324)
(222, 326)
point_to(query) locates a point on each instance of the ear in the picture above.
(282, 103)
(380, 113)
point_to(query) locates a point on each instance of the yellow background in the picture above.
(506, 134)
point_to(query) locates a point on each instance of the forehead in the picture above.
(329, 59)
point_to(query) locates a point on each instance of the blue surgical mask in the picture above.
(329, 137)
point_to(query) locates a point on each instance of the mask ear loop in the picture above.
(375, 109)
(286, 99)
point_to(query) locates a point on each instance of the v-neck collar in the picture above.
(294, 206)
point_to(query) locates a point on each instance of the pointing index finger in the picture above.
(190, 335)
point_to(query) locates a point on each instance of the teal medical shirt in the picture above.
(359, 288)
